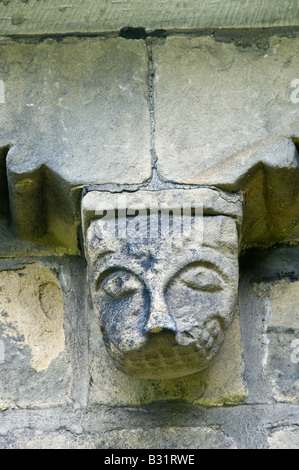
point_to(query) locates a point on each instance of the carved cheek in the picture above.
(192, 307)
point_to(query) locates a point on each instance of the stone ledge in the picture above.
(55, 16)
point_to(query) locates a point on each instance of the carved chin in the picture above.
(168, 355)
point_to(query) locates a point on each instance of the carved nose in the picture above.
(160, 321)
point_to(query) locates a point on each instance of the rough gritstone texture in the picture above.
(167, 438)
(34, 366)
(75, 113)
(281, 300)
(58, 386)
(162, 425)
(84, 101)
(269, 280)
(122, 273)
(164, 438)
(235, 127)
(232, 102)
(269, 299)
(208, 201)
(56, 16)
(93, 118)
(221, 383)
(285, 438)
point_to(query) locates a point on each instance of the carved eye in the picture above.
(202, 278)
(121, 284)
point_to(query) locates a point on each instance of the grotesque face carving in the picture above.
(164, 304)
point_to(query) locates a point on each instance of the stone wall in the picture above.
(159, 113)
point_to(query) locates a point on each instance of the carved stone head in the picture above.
(164, 303)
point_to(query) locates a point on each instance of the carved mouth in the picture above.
(165, 355)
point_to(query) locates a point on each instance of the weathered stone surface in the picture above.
(238, 132)
(282, 335)
(241, 98)
(84, 100)
(221, 383)
(135, 275)
(285, 438)
(208, 201)
(39, 440)
(283, 307)
(145, 306)
(167, 438)
(13, 245)
(55, 16)
(34, 369)
(162, 438)
(282, 366)
(75, 113)
(248, 426)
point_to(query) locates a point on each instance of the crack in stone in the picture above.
(151, 100)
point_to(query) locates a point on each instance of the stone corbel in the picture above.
(163, 274)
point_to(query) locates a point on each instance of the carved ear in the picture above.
(268, 176)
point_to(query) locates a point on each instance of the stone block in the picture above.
(283, 308)
(166, 438)
(55, 16)
(230, 100)
(75, 113)
(39, 440)
(82, 107)
(234, 126)
(282, 338)
(34, 368)
(285, 438)
(136, 438)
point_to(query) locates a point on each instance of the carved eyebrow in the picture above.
(98, 258)
(103, 254)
